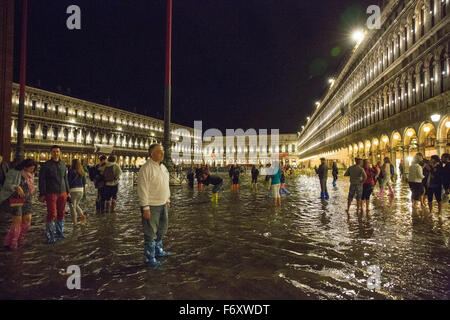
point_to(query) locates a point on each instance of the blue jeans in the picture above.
(156, 227)
(334, 181)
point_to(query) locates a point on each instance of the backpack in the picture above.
(108, 174)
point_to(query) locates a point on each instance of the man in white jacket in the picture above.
(154, 198)
(415, 177)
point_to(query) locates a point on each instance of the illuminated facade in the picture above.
(252, 149)
(83, 129)
(391, 99)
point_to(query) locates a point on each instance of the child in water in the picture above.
(282, 187)
(255, 173)
(236, 174)
(198, 176)
(190, 177)
(267, 181)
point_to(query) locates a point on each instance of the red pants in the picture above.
(56, 206)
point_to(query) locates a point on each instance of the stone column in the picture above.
(6, 74)
(437, 76)
(403, 98)
(427, 16)
(408, 33)
(446, 76)
(417, 88)
(427, 83)
(409, 91)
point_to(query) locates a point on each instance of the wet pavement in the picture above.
(241, 248)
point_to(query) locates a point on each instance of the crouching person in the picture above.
(15, 198)
(216, 181)
(154, 198)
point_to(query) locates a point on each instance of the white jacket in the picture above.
(153, 185)
(415, 173)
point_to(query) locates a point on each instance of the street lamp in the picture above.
(317, 104)
(435, 117)
(331, 81)
(358, 36)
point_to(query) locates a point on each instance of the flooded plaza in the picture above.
(241, 248)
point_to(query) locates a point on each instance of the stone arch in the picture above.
(427, 138)
(409, 133)
(384, 144)
(443, 135)
(396, 139)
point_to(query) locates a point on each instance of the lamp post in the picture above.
(168, 90)
(23, 64)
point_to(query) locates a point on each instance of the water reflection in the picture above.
(241, 248)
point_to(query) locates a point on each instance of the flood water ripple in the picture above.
(241, 248)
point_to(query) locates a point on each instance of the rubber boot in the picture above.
(322, 196)
(23, 232)
(12, 237)
(50, 232)
(213, 197)
(159, 252)
(149, 253)
(217, 197)
(59, 229)
(381, 193)
(327, 197)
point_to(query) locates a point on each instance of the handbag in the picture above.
(16, 202)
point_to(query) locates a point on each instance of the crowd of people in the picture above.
(274, 180)
(428, 180)
(57, 186)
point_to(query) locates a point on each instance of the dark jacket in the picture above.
(446, 176)
(75, 179)
(335, 172)
(231, 171)
(4, 168)
(322, 171)
(435, 176)
(53, 178)
(214, 180)
(255, 173)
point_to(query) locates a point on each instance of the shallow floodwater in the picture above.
(242, 248)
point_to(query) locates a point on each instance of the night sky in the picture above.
(235, 63)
